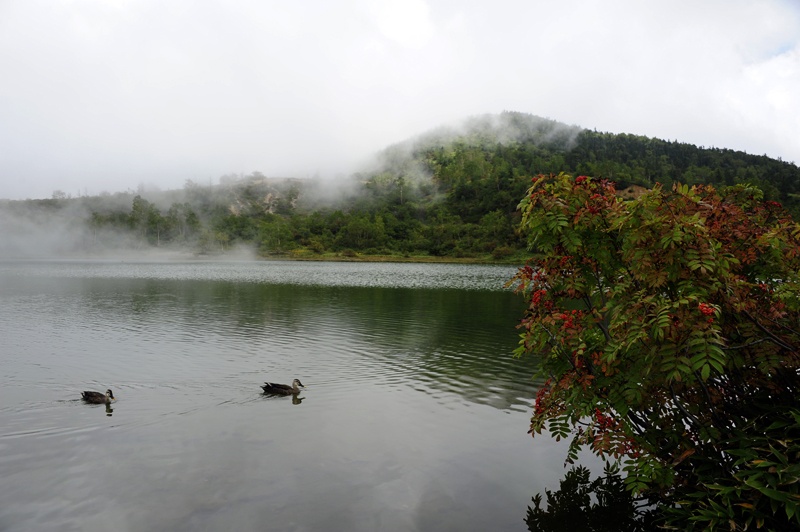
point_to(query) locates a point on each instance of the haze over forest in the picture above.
(449, 193)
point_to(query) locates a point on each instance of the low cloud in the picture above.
(101, 96)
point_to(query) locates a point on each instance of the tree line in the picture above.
(448, 193)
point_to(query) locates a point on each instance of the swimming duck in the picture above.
(283, 389)
(98, 398)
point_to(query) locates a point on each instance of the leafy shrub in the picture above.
(502, 252)
(668, 328)
(601, 505)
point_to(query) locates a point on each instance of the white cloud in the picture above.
(100, 95)
(406, 22)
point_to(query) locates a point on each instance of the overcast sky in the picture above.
(105, 95)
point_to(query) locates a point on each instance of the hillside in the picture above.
(451, 192)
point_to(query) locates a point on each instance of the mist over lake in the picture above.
(414, 415)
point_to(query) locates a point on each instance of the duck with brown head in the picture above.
(271, 388)
(97, 398)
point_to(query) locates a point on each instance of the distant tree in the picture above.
(237, 228)
(191, 223)
(275, 236)
(362, 233)
(138, 217)
(496, 228)
(155, 224)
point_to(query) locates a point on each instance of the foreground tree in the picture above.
(669, 333)
(600, 505)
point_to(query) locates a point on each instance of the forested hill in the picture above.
(512, 142)
(451, 192)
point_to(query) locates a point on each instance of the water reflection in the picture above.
(296, 399)
(419, 413)
(440, 342)
(109, 410)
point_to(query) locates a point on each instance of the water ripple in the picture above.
(409, 384)
(343, 274)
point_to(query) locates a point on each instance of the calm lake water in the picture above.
(415, 414)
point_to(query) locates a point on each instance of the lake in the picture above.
(414, 416)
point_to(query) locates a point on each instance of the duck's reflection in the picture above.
(109, 410)
(296, 399)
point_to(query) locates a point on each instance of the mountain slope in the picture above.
(450, 192)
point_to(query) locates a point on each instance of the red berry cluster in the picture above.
(604, 422)
(537, 296)
(541, 395)
(569, 318)
(707, 310)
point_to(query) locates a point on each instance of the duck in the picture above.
(98, 398)
(283, 389)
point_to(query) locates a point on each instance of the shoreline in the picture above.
(237, 256)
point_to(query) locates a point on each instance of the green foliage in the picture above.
(275, 236)
(668, 333)
(762, 491)
(600, 505)
(449, 193)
